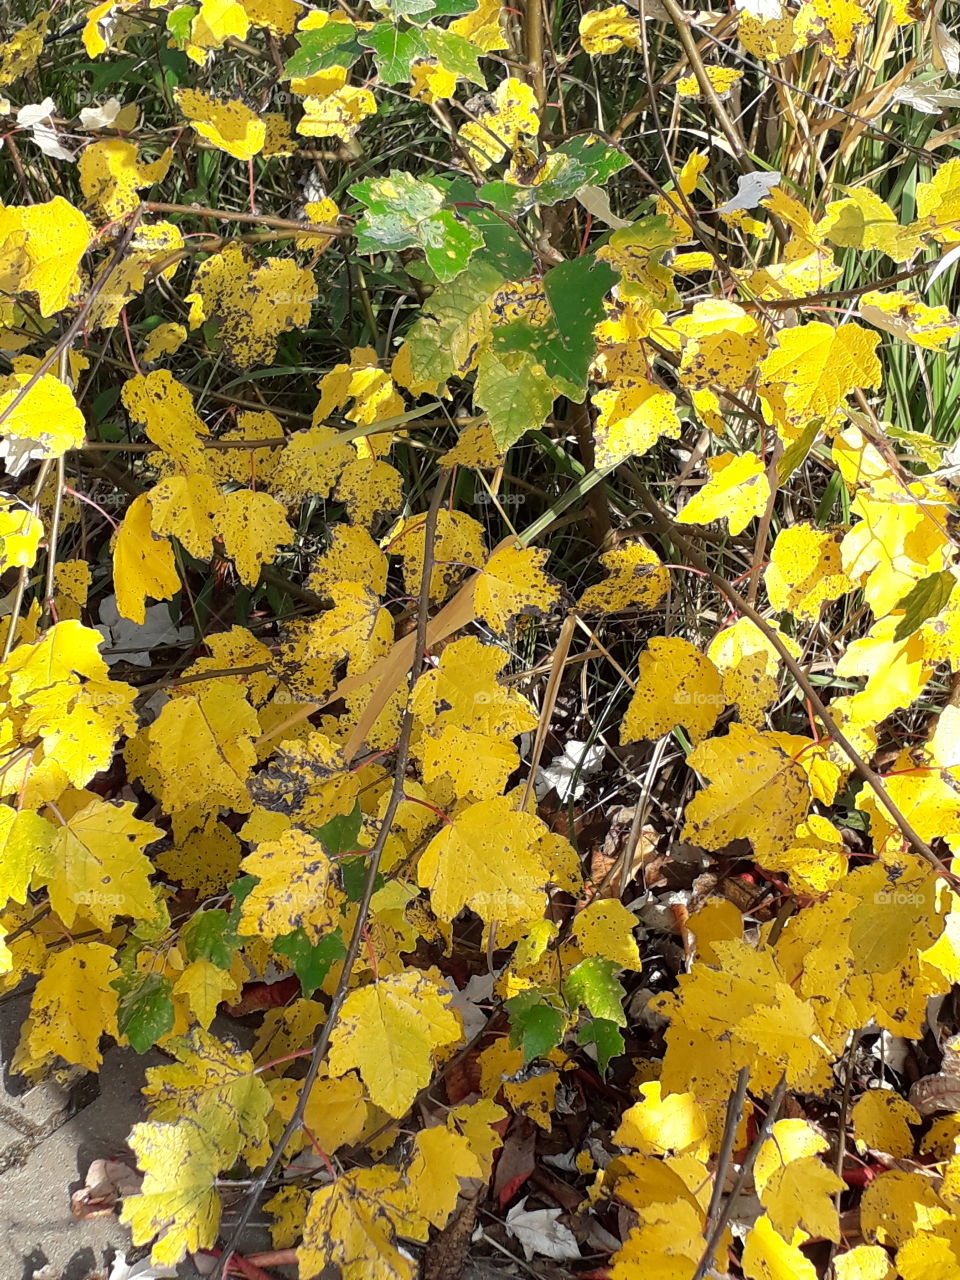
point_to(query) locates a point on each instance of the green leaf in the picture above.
(515, 393)
(333, 45)
(146, 1011)
(447, 312)
(582, 162)
(455, 53)
(341, 834)
(394, 50)
(593, 984)
(564, 345)
(179, 22)
(403, 211)
(535, 1024)
(311, 961)
(926, 600)
(605, 1037)
(209, 936)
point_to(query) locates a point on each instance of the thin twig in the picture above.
(734, 1108)
(873, 780)
(322, 1040)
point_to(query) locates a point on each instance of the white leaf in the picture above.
(946, 50)
(38, 118)
(100, 117)
(568, 772)
(539, 1232)
(945, 263)
(751, 189)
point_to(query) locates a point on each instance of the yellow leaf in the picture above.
(637, 580)
(207, 860)
(675, 685)
(767, 1256)
(722, 80)
(204, 986)
(607, 30)
(111, 173)
(389, 1032)
(43, 423)
(486, 859)
(178, 1200)
(254, 301)
(816, 858)
(253, 526)
(353, 1225)
(55, 236)
(816, 367)
(26, 841)
(834, 24)
(463, 690)
(164, 340)
(230, 126)
(605, 928)
(497, 130)
(20, 534)
(336, 1112)
(187, 508)
(881, 1120)
(458, 546)
(907, 318)
(214, 1084)
(864, 1262)
(738, 491)
(201, 749)
(165, 409)
(723, 344)
(74, 1005)
(513, 583)
(805, 571)
(938, 203)
(658, 1124)
(19, 54)
(482, 26)
(143, 565)
(749, 667)
(631, 417)
(102, 871)
(338, 115)
(757, 792)
(297, 888)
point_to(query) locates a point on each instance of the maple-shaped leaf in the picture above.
(605, 927)
(26, 841)
(178, 1199)
(146, 1013)
(636, 580)
(297, 889)
(463, 690)
(254, 302)
(881, 1120)
(767, 1255)
(204, 985)
(632, 416)
(74, 1004)
(389, 1032)
(486, 859)
(676, 684)
(737, 491)
(230, 126)
(458, 546)
(513, 583)
(659, 1123)
(111, 173)
(187, 508)
(200, 748)
(216, 1085)
(253, 526)
(805, 570)
(815, 367)
(143, 564)
(749, 666)
(403, 211)
(20, 534)
(757, 792)
(478, 766)
(165, 409)
(593, 984)
(907, 318)
(101, 869)
(353, 1224)
(42, 422)
(494, 131)
(338, 114)
(53, 237)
